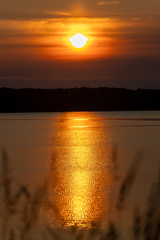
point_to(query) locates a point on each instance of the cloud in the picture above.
(40, 9)
(101, 3)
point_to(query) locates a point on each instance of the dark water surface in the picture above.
(75, 148)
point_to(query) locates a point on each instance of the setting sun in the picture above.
(78, 40)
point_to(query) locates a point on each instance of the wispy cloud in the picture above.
(101, 3)
(56, 14)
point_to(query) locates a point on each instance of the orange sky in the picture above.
(34, 41)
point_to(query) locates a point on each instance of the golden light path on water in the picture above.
(80, 169)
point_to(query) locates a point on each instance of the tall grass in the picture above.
(23, 208)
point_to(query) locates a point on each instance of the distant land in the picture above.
(78, 99)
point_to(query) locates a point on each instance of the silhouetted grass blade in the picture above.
(128, 181)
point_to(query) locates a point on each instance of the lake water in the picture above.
(76, 149)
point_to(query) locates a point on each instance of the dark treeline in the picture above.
(78, 99)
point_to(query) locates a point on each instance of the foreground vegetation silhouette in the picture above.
(24, 208)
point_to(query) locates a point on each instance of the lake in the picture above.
(81, 151)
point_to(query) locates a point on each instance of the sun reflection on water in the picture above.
(80, 175)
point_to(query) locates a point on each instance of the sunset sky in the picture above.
(123, 47)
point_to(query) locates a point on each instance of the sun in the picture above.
(78, 40)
